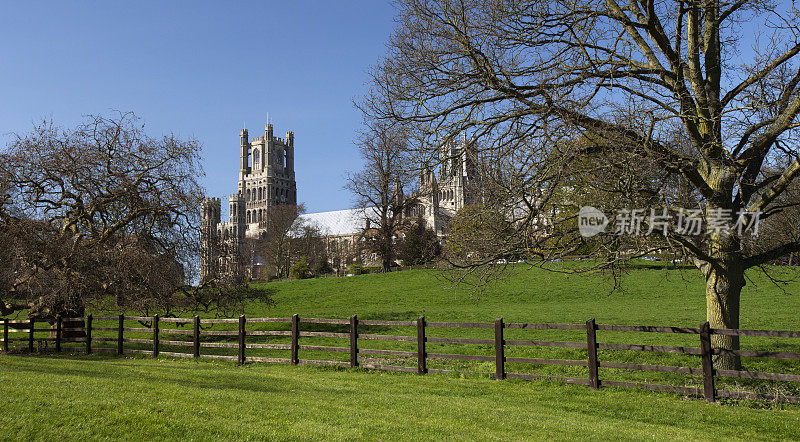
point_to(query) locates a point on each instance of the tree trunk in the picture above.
(725, 274)
(71, 329)
(723, 291)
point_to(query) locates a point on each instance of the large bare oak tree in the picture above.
(670, 84)
(100, 213)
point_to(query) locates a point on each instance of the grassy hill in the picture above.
(83, 397)
(648, 295)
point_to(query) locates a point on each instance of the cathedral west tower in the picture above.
(266, 179)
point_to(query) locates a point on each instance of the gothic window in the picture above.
(248, 217)
(256, 158)
(248, 195)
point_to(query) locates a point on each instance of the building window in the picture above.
(256, 158)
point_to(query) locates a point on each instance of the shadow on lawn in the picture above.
(153, 374)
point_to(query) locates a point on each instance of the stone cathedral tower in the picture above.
(266, 179)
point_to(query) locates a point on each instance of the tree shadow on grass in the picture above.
(154, 374)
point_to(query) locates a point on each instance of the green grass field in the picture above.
(647, 295)
(88, 398)
(205, 399)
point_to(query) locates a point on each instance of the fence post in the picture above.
(196, 336)
(242, 322)
(30, 335)
(708, 365)
(121, 335)
(89, 334)
(591, 351)
(499, 350)
(421, 367)
(295, 338)
(5, 335)
(155, 336)
(58, 333)
(354, 341)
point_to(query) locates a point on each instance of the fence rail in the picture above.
(364, 357)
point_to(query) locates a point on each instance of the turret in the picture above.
(398, 192)
(210, 212)
(237, 215)
(290, 153)
(244, 153)
(467, 158)
(209, 219)
(426, 177)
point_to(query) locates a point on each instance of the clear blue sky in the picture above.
(201, 69)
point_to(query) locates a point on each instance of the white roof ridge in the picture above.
(337, 222)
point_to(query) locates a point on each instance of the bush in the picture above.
(321, 265)
(355, 269)
(300, 270)
(420, 245)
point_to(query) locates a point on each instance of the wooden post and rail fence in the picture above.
(58, 332)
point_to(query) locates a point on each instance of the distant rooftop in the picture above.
(337, 222)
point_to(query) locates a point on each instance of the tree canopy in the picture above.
(96, 212)
(668, 85)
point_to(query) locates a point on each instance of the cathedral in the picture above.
(267, 179)
(455, 186)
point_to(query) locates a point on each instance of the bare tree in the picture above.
(631, 77)
(381, 186)
(283, 223)
(309, 244)
(782, 227)
(99, 211)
